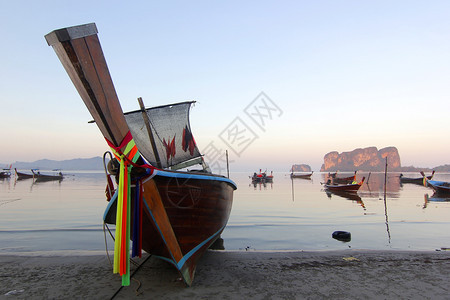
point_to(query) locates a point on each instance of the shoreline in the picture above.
(235, 274)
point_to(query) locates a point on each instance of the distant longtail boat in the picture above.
(417, 180)
(302, 176)
(21, 175)
(352, 187)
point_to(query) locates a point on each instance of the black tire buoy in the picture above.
(343, 236)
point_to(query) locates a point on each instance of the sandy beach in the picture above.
(350, 274)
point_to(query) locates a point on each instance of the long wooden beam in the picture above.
(81, 54)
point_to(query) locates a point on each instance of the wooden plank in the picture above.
(154, 202)
(86, 66)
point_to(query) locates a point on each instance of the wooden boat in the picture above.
(39, 177)
(353, 187)
(302, 176)
(5, 173)
(440, 187)
(257, 177)
(418, 180)
(269, 178)
(262, 177)
(176, 215)
(21, 175)
(344, 180)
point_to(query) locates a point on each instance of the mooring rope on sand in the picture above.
(131, 260)
(134, 272)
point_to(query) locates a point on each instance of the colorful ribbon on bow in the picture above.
(127, 159)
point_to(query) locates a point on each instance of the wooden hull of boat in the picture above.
(198, 209)
(416, 180)
(413, 180)
(440, 187)
(343, 187)
(5, 174)
(24, 176)
(301, 176)
(41, 178)
(21, 175)
(184, 214)
(257, 179)
(38, 177)
(344, 180)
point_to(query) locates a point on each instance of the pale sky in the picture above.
(344, 75)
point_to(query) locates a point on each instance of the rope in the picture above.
(134, 272)
(137, 289)
(106, 244)
(131, 260)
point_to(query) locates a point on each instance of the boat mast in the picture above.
(150, 133)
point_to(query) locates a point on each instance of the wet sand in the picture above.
(350, 274)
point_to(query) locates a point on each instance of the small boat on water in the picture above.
(262, 177)
(344, 180)
(440, 187)
(173, 214)
(256, 177)
(21, 175)
(269, 178)
(302, 176)
(39, 177)
(352, 187)
(416, 180)
(5, 173)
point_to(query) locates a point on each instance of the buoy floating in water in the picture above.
(343, 236)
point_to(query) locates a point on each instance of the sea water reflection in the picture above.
(287, 214)
(52, 215)
(299, 214)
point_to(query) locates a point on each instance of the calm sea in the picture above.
(66, 217)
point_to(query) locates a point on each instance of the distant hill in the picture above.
(371, 159)
(441, 169)
(367, 159)
(89, 164)
(300, 168)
